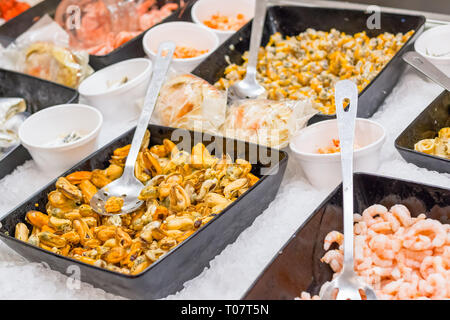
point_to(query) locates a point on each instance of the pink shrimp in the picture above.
(334, 258)
(407, 291)
(360, 228)
(371, 212)
(333, 237)
(378, 261)
(425, 234)
(306, 296)
(392, 220)
(380, 244)
(402, 214)
(392, 287)
(402, 257)
(436, 286)
(360, 243)
(432, 264)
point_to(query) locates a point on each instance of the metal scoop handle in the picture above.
(160, 68)
(255, 38)
(347, 90)
(427, 68)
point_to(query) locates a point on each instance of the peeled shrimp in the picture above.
(334, 258)
(371, 212)
(425, 234)
(402, 214)
(402, 257)
(333, 237)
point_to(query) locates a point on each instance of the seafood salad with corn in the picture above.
(400, 256)
(183, 192)
(309, 64)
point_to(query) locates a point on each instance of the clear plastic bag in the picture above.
(189, 102)
(266, 122)
(101, 26)
(43, 51)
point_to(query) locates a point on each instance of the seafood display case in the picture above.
(297, 266)
(168, 274)
(426, 126)
(131, 49)
(292, 20)
(38, 94)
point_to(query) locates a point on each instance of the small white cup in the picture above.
(324, 170)
(182, 34)
(119, 104)
(432, 41)
(49, 124)
(203, 10)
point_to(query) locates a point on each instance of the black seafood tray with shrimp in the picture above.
(292, 20)
(131, 49)
(38, 94)
(426, 126)
(189, 258)
(297, 266)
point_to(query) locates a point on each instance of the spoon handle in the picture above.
(346, 89)
(427, 68)
(160, 68)
(255, 38)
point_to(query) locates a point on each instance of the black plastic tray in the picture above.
(292, 20)
(298, 268)
(426, 126)
(188, 259)
(38, 95)
(131, 49)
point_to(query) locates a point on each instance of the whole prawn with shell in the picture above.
(183, 192)
(400, 256)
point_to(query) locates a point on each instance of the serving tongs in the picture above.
(249, 88)
(421, 64)
(348, 284)
(128, 187)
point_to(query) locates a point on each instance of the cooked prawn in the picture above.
(402, 257)
(402, 214)
(333, 237)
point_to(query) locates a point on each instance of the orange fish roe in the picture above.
(335, 147)
(226, 23)
(182, 52)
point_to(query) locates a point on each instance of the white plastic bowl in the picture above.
(51, 123)
(120, 104)
(182, 34)
(324, 170)
(203, 10)
(433, 42)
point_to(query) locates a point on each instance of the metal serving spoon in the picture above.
(427, 68)
(128, 187)
(249, 88)
(347, 282)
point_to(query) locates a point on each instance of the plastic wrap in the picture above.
(43, 51)
(189, 102)
(105, 25)
(267, 122)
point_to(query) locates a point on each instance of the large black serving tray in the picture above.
(426, 126)
(298, 268)
(38, 94)
(188, 259)
(292, 20)
(131, 49)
